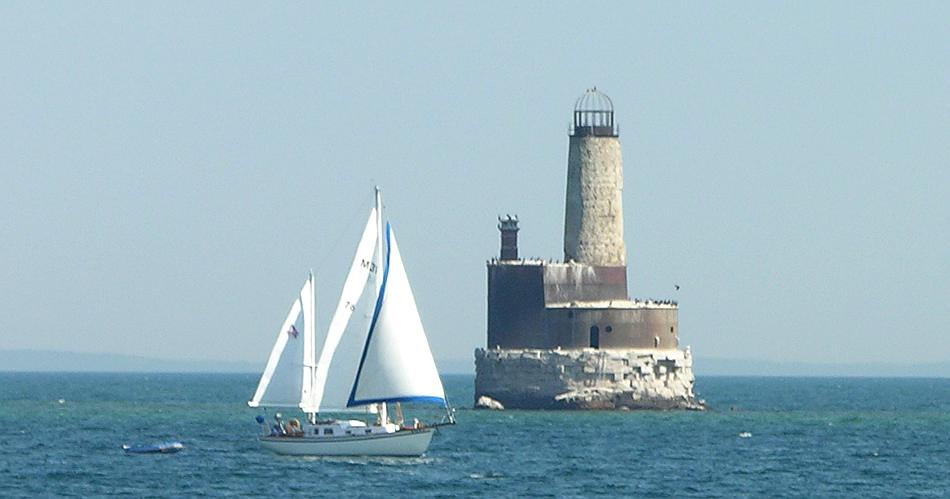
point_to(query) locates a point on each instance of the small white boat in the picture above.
(374, 353)
(160, 448)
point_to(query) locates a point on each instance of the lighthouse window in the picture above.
(594, 337)
(609, 329)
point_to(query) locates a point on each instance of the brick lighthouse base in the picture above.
(584, 379)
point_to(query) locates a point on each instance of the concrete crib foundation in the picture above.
(584, 379)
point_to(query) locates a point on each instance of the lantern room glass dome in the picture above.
(594, 115)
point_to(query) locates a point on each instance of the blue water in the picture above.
(809, 437)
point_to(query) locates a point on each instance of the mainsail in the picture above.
(286, 375)
(396, 364)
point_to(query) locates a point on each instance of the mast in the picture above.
(310, 351)
(379, 238)
(383, 416)
(313, 344)
(309, 358)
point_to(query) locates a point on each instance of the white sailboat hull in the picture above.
(400, 443)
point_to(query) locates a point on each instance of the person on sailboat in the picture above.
(293, 428)
(278, 428)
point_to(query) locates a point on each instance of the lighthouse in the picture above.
(565, 334)
(593, 212)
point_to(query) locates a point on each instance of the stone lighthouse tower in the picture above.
(565, 335)
(593, 212)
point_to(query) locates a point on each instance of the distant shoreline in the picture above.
(49, 361)
(62, 361)
(472, 375)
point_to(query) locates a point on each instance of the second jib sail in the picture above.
(346, 335)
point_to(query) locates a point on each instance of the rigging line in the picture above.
(352, 209)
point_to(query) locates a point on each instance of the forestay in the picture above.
(396, 364)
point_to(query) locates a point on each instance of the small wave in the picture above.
(491, 475)
(369, 461)
(745, 434)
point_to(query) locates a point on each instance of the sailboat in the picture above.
(359, 368)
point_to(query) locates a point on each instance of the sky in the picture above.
(171, 171)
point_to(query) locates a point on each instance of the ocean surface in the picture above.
(61, 434)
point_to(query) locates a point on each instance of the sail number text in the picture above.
(369, 265)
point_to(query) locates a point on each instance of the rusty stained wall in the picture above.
(515, 305)
(616, 328)
(565, 283)
(518, 316)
